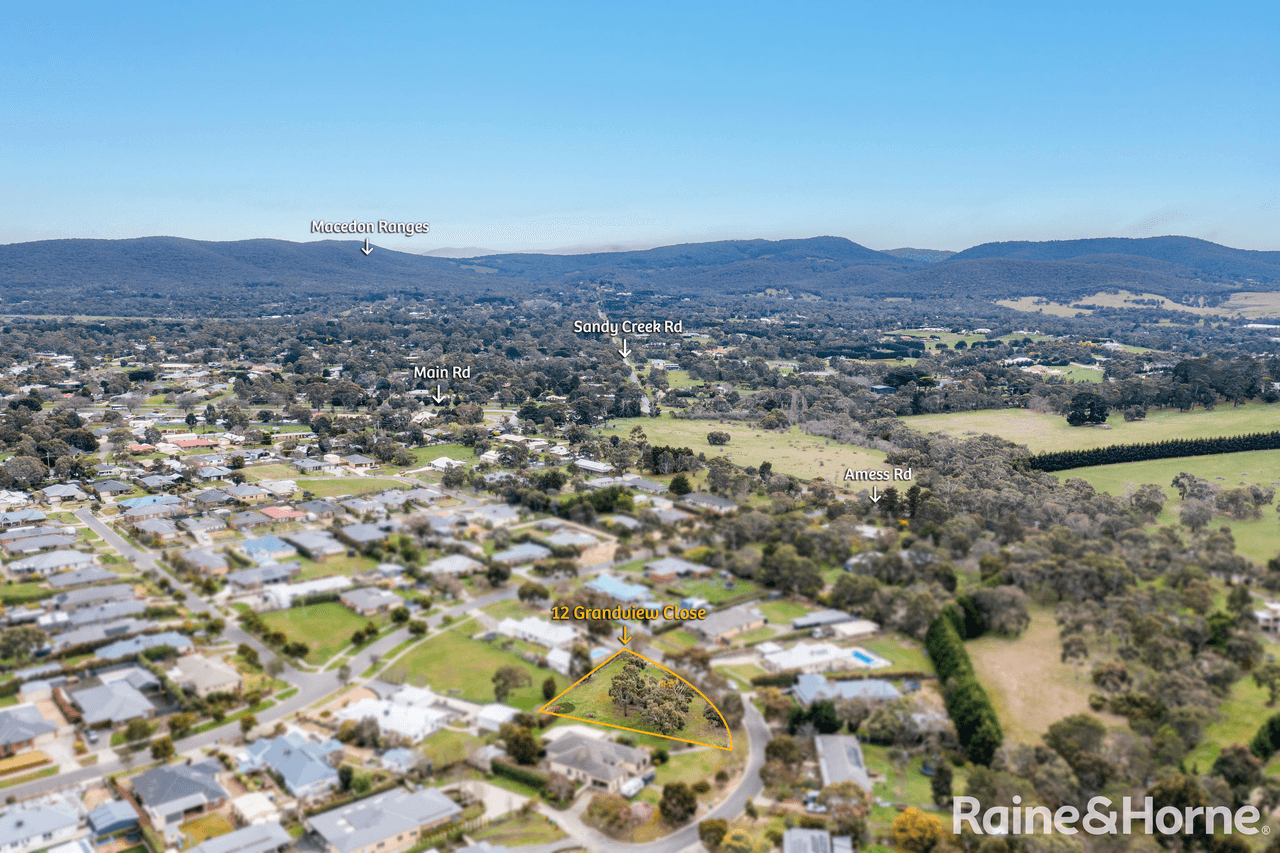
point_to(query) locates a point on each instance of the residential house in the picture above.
(62, 492)
(204, 676)
(370, 600)
(247, 520)
(602, 764)
(138, 645)
(492, 716)
(412, 712)
(453, 564)
(210, 498)
(714, 503)
(808, 657)
(21, 517)
(531, 629)
(158, 528)
(322, 510)
(23, 727)
(35, 544)
(91, 596)
(110, 488)
(524, 552)
(593, 467)
(619, 590)
(267, 549)
(318, 545)
(305, 766)
(80, 577)
(35, 826)
(840, 760)
(722, 626)
(247, 492)
(819, 619)
(811, 687)
(283, 513)
(358, 462)
(175, 793)
(50, 563)
(668, 569)
(112, 704)
(205, 561)
(387, 823)
(260, 576)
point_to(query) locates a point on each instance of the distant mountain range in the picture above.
(154, 275)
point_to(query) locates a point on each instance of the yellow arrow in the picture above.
(626, 637)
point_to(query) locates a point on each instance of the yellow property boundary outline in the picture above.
(728, 733)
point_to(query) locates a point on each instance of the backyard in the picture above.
(326, 627)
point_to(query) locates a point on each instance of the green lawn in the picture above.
(793, 452)
(274, 471)
(326, 627)
(209, 826)
(713, 589)
(334, 566)
(454, 664)
(449, 746)
(1041, 432)
(904, 653)
(590, 701)
(781, 612)
(329, 487)
(701, 763)
(743, 672)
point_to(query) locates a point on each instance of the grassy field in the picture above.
(791, 452)
(1042, 432)
(905, 654)
(589, 700)
(209, 826)
(435, 662)
(274, 471)
(1028, 683)
(781, 612)
(1259, 539)
(1244, 304)
(325, 627)
(328, 487)
(334, 566)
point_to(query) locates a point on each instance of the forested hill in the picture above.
(169, 276)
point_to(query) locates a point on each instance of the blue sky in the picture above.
(543, 126)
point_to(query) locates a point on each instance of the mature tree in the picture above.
(507, 679)
(915, 831)
(162, 748)
(712, 831)
(521, 744)
(247, 723)
(678, 802)
(180, 724)
(560, 787)
(137, 729)
(549, 689)
(940, 785)
(718, 438)
(1267, 675)
(680, 485)
(344, 673)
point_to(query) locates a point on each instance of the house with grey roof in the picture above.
(812, 687)
(840, 760)
(363, 534)
(246, 492)
(173, 793)
(714, 503)
(205, 676)
(359, 462)
(601, 764)
(388, 823)
(160, 528)
(453, 564)
(59, 492)
(18, 517)
(322, 510)
(316, 544)
(105, 488)
(307, 767)
(113, 704)
(210, 497)
(74, 599)
(203, 524)
(524, 552)
(138, 645)
(35, 544)
(260, 576)
(248, 519)
(23, 727)
(721, 626)
(80, 577)
(206, 561)
(51, 562)
(36, 826)
(370, 600)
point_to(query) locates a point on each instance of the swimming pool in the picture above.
(868, 659)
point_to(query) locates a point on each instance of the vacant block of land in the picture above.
(1046, 432)
(618, 693)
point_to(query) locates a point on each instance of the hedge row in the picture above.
(520, 774)
(977, 725)
(1062, 460)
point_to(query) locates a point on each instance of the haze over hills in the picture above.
(159, 275)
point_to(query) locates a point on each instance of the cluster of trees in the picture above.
(663, 704)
